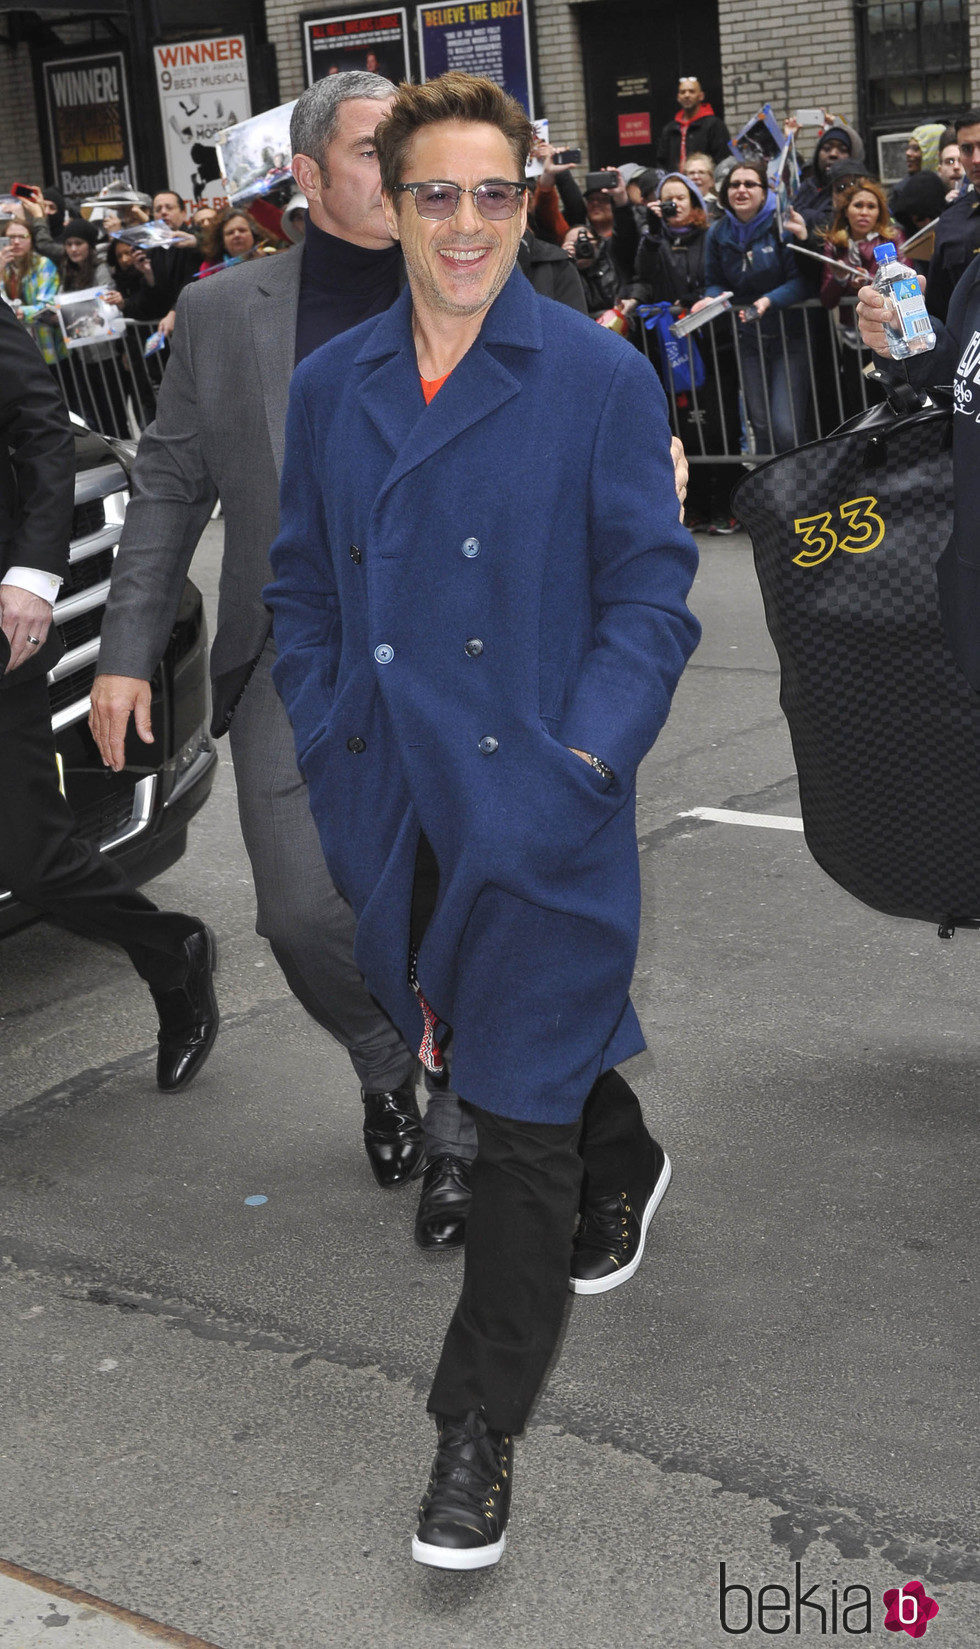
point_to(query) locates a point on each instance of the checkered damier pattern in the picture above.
(885, 728)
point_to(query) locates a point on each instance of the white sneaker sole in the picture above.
(450, 1557)
(602, 1285)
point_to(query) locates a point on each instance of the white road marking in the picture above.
(727, 815)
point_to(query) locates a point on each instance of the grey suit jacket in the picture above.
(219, 432)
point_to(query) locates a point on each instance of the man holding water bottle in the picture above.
(956, 359)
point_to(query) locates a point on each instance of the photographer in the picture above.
(669, 265)
(604, 286)
(670, 268)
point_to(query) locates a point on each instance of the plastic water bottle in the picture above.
(911, 333)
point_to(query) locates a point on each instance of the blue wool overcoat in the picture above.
(461, 592)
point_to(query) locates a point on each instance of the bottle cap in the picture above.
(885, 252)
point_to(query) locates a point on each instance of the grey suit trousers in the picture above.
(308, 925)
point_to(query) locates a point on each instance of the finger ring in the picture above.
(34, 641)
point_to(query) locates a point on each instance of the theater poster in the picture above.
(489, 37)
(203, 89)
(376, 41)
(89, 129)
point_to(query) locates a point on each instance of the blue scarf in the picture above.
(744, 232)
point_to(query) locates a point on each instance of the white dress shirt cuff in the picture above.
(32, 579)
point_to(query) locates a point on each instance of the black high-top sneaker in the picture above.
(464, 1509)
(612, 1230)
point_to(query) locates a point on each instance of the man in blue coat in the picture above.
(475, 662)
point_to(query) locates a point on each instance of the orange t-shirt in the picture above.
(432, 386)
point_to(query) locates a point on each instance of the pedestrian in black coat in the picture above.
(695, 128)
(43, 860)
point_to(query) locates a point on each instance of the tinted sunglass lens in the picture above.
(497, 200)
(436, 200)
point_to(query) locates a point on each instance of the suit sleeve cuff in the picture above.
(36, 582)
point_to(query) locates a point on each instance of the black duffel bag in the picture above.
(885, 727)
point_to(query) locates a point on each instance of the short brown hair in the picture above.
(453, 96)
(756, 167)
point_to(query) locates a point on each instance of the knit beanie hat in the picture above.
(81, 229)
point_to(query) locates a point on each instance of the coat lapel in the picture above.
(273, 319)
(392, 396)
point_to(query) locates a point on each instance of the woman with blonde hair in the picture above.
(29, 283)
(862, 222)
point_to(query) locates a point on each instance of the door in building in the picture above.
(633, 52)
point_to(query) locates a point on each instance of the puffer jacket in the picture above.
(763, 266)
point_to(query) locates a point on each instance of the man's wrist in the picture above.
(35, 581)
(595, 762)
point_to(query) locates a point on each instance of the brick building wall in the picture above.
(282, 21)
(20, 145)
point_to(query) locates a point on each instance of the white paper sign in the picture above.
(203, 89)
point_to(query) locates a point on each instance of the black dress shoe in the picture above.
(609, 1243)
(444, 1203)
(188, 1014)
(463, 1515)
(393, 1136)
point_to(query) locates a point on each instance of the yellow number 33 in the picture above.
(860, 514)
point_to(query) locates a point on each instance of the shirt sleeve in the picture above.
(35, 581)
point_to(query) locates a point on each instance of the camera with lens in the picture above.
(584, 248)
(669, 208)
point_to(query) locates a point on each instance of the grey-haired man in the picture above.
(219, 434)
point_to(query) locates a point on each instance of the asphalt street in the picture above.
(212, 1413)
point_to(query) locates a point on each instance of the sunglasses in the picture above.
(493, 201)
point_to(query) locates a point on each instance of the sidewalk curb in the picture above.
(149, 1629)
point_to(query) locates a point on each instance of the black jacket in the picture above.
(670, 268)
(954, 361)
(37, 469)
(706, 135)
(954, 250)
(551, 272)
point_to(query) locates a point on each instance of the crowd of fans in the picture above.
(46, 252)
(626, 245)
(704, 222)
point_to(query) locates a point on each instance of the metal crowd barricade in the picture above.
(712, 418)
(112, 385)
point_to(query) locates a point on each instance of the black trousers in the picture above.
(48, 866)
(527, 1182)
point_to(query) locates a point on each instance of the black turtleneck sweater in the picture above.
(341, 285)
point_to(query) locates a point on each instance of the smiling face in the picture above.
(913, 156)
(863, 212)
(458, 265)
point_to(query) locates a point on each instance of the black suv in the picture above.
(140, 815)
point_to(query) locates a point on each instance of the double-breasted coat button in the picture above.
(488, 745)
(384, 654)
(356, 745)
(470, 547)
(355, 555)
(475, 647)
